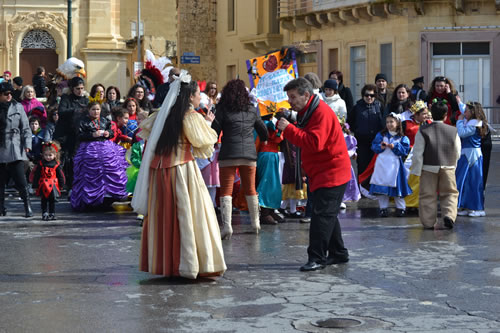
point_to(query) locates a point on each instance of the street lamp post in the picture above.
(139, 53)
(70, 39)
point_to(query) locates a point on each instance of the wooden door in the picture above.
(30, 59)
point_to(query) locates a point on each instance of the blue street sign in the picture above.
(188, 54)
(190, 59)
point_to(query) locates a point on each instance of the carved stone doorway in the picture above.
(39, 49)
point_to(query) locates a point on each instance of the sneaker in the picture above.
(305, 220)
(45, 216)
(342, 205)
(463, 212)
(477, 213)
(52, 217)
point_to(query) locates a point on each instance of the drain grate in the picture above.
(337, 323)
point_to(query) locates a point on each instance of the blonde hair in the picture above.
(25, 89)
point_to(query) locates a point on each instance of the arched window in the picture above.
(38, 39)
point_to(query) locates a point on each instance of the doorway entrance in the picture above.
(467, 64)
(39, 49)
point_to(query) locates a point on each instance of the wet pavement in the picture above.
(80, 273)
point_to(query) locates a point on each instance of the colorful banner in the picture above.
(268, 75)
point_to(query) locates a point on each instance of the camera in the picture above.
(289, 115)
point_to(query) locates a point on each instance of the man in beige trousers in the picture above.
(435, 155)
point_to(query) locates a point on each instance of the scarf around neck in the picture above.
(302, 122)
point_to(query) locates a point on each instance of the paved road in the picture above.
(80, 274)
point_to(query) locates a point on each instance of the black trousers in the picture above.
(325, 235)
(486, 147)
(51, 202)
(16, 171)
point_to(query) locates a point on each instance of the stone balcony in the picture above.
(301, 14)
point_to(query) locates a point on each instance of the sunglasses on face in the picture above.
(7, 93)
(370, 95)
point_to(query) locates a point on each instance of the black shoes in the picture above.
(400, 212)
(49, 217)
(448, 222)
(383, 213)
(311, 266)
(335, 261)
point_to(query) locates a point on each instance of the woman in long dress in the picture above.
(180, 236)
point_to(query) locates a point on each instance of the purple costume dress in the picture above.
(99, 166)
(352, 190)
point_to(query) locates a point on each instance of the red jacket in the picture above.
(325, 159)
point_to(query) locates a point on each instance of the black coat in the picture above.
(39, 85)
(366, 120)
(71, 110)
(346, 94)
(237, 132)
(88, 127)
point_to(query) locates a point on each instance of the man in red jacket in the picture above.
(324, 158)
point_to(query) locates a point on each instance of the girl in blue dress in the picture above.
(471, 127)
(389, 177)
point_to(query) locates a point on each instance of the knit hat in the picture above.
(76, 81)
(18, 80)
(418, 80)
(381, 76)
(332, 84)
(5, 86)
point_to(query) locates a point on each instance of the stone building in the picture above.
(34, 32)
(459, 39)
(197, 37)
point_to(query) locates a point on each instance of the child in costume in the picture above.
(99, 164)
(121, 117)
(472, 127)
(420, 115)
(290, 195)
(268, 178)
(136, 152)
(435, 154)
(389, 177)
(352, 190)
(49, 179)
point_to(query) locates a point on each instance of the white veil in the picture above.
(141, 192)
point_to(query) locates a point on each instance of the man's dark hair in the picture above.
(302, 85)
(439, 110)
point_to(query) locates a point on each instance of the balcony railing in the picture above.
(290, 8)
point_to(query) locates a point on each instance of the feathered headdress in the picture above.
(155, 72)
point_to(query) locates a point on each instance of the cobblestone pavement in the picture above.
(80, 273)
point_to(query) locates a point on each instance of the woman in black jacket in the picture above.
(237, 118)
(39, 82)
(71, 110)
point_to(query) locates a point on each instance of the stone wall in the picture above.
(197, 34)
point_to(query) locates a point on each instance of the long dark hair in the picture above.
(172, 130)
(477, 112)
(234, 97)
(395, 102)
(144, 103)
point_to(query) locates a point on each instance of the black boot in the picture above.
(3, 211)
(25, 195)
